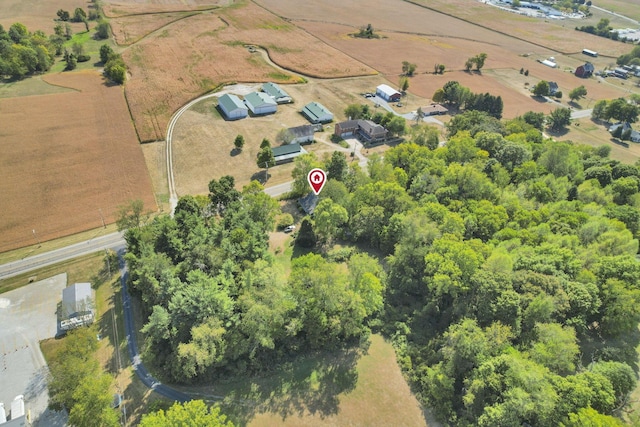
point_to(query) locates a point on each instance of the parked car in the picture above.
(289, 228)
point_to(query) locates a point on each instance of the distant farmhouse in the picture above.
(388, 93)
(301, 134)
(286, 153)
(232, 107)
(634, 136)
(433, 109)
(78, 307)
(260, 103)
(276, 93)
(317, 113)
(585, 71)
(366, 130)
(553, 88)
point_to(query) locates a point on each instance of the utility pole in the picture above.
(102, 218)
(35, 236)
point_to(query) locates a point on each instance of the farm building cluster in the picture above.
(258, 103)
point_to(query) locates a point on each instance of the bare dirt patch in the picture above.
(67, 159)
(194, 55)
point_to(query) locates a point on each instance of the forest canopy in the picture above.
(510, 286)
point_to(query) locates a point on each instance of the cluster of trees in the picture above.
(77, 384)
(602, 29)
(192, 413)
(215, 301)
(618, 109)
(23, 53)
(396, 125)
(367, 32)
(438, 68)
(577, 93)
(631, 58)
(408, 69)
(477, 60)
(512, 292)
(458, 96)
(265, 157)
(114, 66)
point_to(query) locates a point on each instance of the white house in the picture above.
(260, 103)
(78, 307)
(388, 93)
(301, 134)
(232, 107)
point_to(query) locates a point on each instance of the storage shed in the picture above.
(388, 93)
(78, 307)
(232, 107)
(301, 134)
(317, 113)
(260, 103)
(286, 153)
(276, 92)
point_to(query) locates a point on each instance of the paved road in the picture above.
(132, 344)
(113, 241)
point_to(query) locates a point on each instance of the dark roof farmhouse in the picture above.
(286, 153)
(77, 306)
(276, 92)
(585, 70)
(365, 129)
(317, 113)
(553, 88)
(260, 103)
(232, 107)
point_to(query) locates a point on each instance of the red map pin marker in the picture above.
(317, 178)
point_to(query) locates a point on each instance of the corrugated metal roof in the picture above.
(231, 102)
(284, 150)
(259, 99)
(388, 90)
(274, 90)
(316, 110)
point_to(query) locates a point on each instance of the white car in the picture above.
(289, 228)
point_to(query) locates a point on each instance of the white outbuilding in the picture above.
(388, 93)
(260, 103)
(232, 107)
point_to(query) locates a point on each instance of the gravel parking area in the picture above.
(27, 316)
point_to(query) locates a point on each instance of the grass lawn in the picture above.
(78, 270)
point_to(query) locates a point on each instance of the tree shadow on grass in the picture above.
(309, 386)
(557, 132)
(261, 177)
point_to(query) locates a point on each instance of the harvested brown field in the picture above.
(39, 14)
(67, 159)
(114, 9)
(129, 29)
(194, 55)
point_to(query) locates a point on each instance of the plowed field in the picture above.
(67, 159)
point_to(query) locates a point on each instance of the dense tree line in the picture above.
(217, 303)
(458, 96)
(23, 53)
(602, 29)
(511, 289)
(631, 58)
(512, 292)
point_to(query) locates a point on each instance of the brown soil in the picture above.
(67, 158)
(134, 7)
